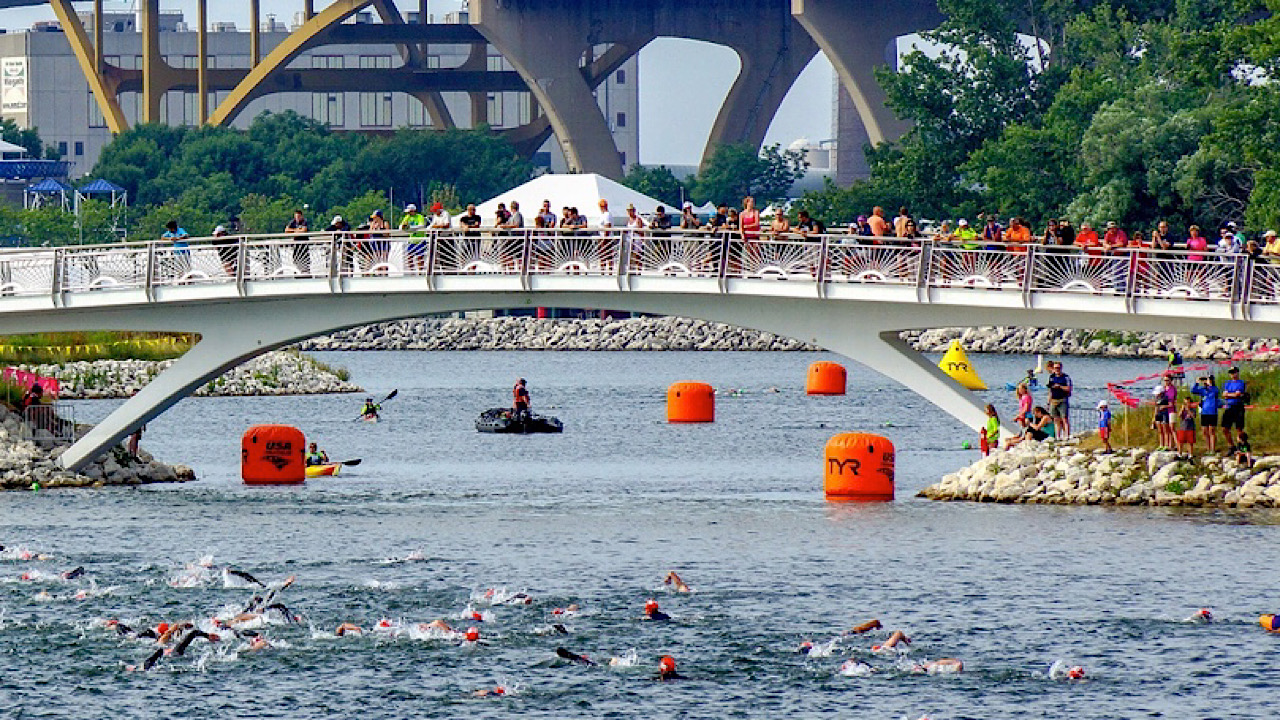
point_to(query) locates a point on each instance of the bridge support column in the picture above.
(855, 40)
(770, 65)
(550, 59)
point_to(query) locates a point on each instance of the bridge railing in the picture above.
(829, 259)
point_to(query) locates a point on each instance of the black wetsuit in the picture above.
(658, 615)
(568, 655)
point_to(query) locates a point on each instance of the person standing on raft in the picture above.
(520, 401)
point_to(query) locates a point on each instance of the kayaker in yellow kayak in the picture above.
(316, 456)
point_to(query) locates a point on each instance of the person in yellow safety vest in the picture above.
(967, 236)
(316, 456)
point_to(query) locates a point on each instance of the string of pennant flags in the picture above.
(1119, 390)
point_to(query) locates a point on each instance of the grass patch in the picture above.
(338, 371)
(1263, 382)
(1113, 337)
(60, 348)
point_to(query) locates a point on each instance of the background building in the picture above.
(44, 87)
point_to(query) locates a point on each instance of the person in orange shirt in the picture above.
(1087, 239)
(1018, 236)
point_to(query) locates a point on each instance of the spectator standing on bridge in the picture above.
(966, 236)
(415, 255)
(1018, 236)
(749, 220)
(226, 247)
(661, 220)
(500, 216)
(1196, 244)
(548, 216)
(1234, 397)
(861, 227)
(877, 226)
(807, 225)
(1052, 237)
(471, 221)
(1060, 388)
(719, 219)
(181, 255)
(516, 220)
(1162, 238)
(340, 228)
(688, 219)
(900, 222)
(1271, 247)
(780, 225)
(302, 254)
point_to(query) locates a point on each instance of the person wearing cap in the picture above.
(1234, 394)
(440, 218)
(1088, 242)
(415, 253)
(377, 250)
(1210, 398)
(688, 219)
(651, 612)
(520, 403)
(226, 247)
(667, 669)
(1104, 426)
(966, 236)
(1271, 243)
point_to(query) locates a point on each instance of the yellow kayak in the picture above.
(322, 470)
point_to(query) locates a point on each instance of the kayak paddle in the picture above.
(390, 396)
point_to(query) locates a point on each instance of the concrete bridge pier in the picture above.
(772, 60)
(856, 41)
(550, 58)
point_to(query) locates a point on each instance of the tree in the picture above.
(736, 171)
(656, 182)
(28, 138)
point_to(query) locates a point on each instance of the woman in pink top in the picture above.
(749, 219)
(1196, 242)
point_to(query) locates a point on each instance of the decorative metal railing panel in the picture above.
(1137, 273)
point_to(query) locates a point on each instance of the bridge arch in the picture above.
(241, 331)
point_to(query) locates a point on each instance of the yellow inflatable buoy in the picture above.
(957, 366)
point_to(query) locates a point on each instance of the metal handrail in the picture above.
(930, 265)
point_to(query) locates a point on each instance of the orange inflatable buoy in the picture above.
(826, 378)
(691, 402)
(273, 455)
(859, 468)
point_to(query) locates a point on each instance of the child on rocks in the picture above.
(1187, 427)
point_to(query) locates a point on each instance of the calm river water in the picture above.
(597, 517)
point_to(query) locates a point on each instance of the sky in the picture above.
(695, 75)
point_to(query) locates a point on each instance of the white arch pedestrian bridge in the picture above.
(247, 295)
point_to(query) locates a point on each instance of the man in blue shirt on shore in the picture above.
(1207, 391)
(1060, 400)
(1233, 407)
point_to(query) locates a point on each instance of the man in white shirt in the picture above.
(440, 219)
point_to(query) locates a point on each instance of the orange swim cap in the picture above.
(162, 628)
(477, 616)
(1075, 673)
(473, 634)
(651, 606)
(667, 664)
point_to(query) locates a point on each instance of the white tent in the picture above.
(581, 191)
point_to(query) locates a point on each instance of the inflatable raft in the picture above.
(322, 470)
(499, 420)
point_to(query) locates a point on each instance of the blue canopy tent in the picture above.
(104, 189)
(47, 192)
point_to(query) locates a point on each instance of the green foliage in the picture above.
(658, 183)
(265, 214)
(358, 210)
(28, 138)
(737, 171)
(1145, 110)
(59, 348)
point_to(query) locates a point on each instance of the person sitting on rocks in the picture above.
(1039, 429)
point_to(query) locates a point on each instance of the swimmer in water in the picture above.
(181, 647)
(667, 670)
(865, 627)
(243, 576)
(574, 657)
(674, 580)
(73, 574)
(573, 608)
(941, 666)
(347, 628)
(897, 638)
(1203, 615)
(440, 625)
(497, 690)
(652, 612)
(855, 668)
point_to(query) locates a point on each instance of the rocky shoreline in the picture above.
(282, 372)
(675, 333)
(28, 461)
(1035, 473)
